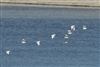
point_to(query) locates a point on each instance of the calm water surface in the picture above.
(38, 24)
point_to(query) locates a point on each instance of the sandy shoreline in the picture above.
(48, 5)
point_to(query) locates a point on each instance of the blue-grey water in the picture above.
(38, 23)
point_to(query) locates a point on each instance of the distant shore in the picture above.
(49, 5)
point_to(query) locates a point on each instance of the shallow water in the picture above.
(33, 24)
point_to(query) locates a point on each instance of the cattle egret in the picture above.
(69, 32)
(38, 43)
(8, 52)
(73, 27)
(53, 36)
(84, 27)
(23, 41)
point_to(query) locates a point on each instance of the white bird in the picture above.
(53, 36)
(73, 27)
(69, 32)
(38, 43)
(84, 27)
(8, 52)
(66, 36)
(23, 41)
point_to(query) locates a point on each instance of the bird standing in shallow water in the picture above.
(66, 36)
(23, 41)
(38, 43)
(84, 27)
(8, 52)
(73, 27)
(69, 32)
(53, 36)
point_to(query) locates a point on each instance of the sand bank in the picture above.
(57, 2)
(54, 3)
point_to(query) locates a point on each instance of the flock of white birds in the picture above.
(72, 29)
